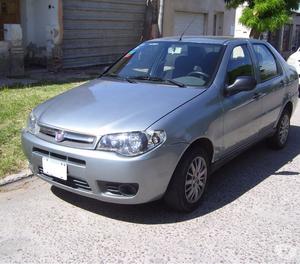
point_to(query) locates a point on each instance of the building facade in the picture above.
(78, 33)
(206, 17)
(67, 33)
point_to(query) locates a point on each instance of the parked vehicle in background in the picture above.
(294, 60)
(162, 119)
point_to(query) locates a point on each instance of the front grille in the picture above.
(72, 182)
(70, 139)
(69, 160)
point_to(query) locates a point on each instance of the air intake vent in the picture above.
(71, 182)
(119, 189)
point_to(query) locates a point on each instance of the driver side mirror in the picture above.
(242, 83)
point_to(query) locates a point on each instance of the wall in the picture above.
(295, 35)
(34, 20)
(208, 7)
(4, 58)
(42, 29)
(240, 30)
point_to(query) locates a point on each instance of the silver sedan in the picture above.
(161, 119)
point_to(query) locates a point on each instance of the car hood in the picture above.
(105, 106)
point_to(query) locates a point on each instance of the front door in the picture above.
(242, 111)
(9, 14)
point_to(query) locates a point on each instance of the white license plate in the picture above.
(55, 168)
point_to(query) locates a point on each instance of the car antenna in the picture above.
(188, 26)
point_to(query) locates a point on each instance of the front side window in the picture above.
(266, 62)
(192, 64)
(239, 64)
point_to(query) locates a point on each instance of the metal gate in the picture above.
(195, 21)
(99, 31)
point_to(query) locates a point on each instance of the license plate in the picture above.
(55, 168)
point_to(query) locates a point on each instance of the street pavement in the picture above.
(251, 214)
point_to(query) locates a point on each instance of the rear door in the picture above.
(270, 88)
(241, 110)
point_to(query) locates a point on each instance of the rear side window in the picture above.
(239, 64)
(266, 62)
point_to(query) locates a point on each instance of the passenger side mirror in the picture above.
(242, 83)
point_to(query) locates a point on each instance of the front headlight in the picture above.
(32, 126)
(132, 143)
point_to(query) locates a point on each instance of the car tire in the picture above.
(189, 182)
(280, 138)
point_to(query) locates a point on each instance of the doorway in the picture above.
(218, 24)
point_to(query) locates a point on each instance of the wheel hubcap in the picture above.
(284, 129)
(195, 179)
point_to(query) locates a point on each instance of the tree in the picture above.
(264, 15)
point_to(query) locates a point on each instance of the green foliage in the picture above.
(264, 15)
(15, 105)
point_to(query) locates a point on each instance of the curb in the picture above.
(16, 177)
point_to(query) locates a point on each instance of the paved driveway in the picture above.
(251, 214)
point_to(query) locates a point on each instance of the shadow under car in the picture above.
(226, 185)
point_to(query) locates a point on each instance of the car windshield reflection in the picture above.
(176, 63)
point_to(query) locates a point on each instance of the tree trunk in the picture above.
(254, 34)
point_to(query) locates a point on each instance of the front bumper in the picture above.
(88, 170)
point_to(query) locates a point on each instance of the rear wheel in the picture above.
(279, 139)
(189, 181)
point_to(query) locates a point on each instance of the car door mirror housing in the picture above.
(242, 83)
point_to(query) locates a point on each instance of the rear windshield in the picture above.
(192, 64)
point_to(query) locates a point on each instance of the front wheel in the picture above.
(279, 139)
(189, 181)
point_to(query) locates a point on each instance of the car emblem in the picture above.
(59, 136)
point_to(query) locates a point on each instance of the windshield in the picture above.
(188, 64)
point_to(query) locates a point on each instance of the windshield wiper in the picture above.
(157, 79)
(179, 84)
(114, 75)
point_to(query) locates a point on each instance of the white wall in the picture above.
(38, 17)
(207, 7)
(240, 30)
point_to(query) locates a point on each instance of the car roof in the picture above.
(223, 40)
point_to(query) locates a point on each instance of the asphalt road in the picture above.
(251, 214)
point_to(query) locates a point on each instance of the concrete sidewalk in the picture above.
(15, 177)
(37, 76)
